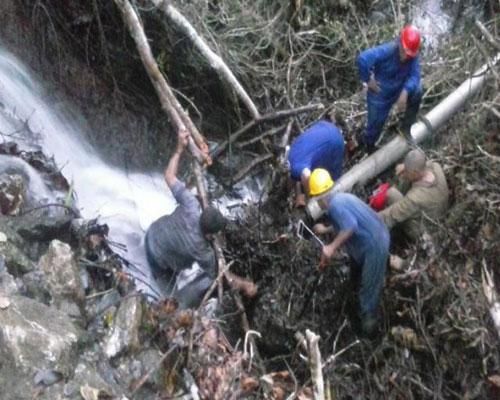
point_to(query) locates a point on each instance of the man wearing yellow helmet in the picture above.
(365, 236)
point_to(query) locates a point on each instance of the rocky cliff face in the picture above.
(48, 350)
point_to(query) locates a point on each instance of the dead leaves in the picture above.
(406, 337)
(90, 393)
(249, 384)
(495, 380)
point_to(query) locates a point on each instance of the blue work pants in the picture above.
(378, 111)
(370, 272)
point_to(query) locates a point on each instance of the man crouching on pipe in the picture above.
(366, 239)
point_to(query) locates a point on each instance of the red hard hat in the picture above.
(410, 40)
(377, 200)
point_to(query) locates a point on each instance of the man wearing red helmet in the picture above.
(391, 73)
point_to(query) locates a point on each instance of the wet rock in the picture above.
(133, 368)
(47, 377)
(61, 277)
(16, 261)
(33, 337)
(124, 332)
(33, 285)
(12, 191)
(43, 224)
(8, 285)
(99, 306)
(87, 375)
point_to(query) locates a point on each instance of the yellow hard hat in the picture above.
(319, 182)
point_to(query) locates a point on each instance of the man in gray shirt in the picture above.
(174, 242)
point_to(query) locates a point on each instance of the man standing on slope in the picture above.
(391, 73)
(174, 242)
(320, 146)
(365, 237)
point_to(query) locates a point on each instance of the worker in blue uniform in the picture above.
(391, 74)
(320, 146)
(365, 237)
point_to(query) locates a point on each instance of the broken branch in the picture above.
(245, 171)
(315, 365)
(265, 118)
(489, 37)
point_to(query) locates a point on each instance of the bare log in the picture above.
(265, 118)
(167, 98)
(315, 365)
(483, 51)
(489, 37)
(213, 59)
(491, 297)
(246, 326)
(493, 110)
(249, 142)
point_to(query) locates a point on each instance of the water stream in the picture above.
(432, 21)
(127, 202)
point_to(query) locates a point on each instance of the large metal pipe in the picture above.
(387, 155)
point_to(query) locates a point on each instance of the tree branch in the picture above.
(315, 365)
(213, 59)
(489, 37)
(491, 297)
(265, 118)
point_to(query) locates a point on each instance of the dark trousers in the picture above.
(368, 279)
(191, 294)
(378, 111)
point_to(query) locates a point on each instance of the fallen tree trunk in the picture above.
(213, 59)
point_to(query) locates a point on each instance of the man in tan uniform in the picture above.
(428, 195)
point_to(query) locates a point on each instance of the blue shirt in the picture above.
(370, 235)
(320, 146)
(391, 74)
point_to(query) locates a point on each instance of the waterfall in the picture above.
(127, 203)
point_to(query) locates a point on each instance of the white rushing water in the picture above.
(432, 21)
(128, 203)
